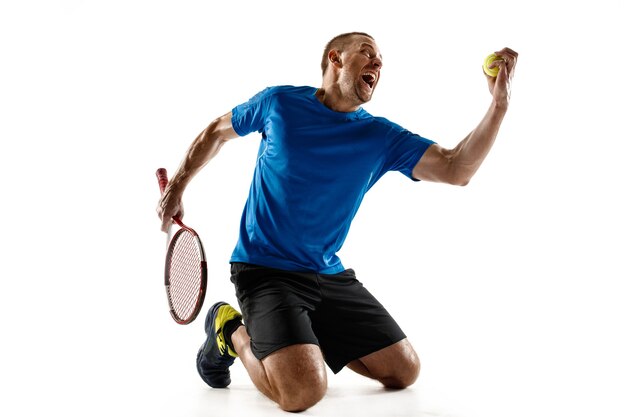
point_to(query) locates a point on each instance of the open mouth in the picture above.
(369, 78)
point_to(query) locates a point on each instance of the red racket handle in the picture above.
(162, 177)
(161, 174)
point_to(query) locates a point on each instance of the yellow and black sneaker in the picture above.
(215, 356)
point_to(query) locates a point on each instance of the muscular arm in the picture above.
(458, 165)
(202, 150)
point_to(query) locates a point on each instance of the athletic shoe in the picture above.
(215, 357)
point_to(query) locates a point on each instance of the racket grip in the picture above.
(161, 174)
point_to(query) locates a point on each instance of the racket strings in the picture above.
(185, 275)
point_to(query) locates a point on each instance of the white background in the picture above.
(511, 289)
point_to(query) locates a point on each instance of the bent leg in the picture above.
(294, 377)
(396, 366)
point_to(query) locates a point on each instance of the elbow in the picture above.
(461, 181)
(460, 174)
(459, 177)
(215, 135)
(450, 177)
(456, 172)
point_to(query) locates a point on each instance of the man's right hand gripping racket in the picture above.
(185, 268)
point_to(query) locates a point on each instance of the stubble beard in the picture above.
(361, 94)
(355, 92)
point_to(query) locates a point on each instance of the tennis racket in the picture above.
(185, 268)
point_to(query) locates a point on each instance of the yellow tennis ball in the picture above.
(492, 72)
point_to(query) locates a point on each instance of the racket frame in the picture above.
(169, 246)
(203, 268)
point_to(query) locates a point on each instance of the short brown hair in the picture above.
(338, 42)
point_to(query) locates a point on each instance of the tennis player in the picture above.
(320, 153)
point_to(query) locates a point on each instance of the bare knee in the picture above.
(296, 376)
(396, 366)
(304, 394)
(405, 376)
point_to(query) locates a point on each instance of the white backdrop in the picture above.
(510, 288)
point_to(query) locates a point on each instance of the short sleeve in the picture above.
(250, 116)
(404, 150)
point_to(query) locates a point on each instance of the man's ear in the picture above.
(334, 57)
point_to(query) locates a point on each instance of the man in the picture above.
(320, 153)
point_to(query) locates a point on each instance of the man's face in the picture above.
(361, 65)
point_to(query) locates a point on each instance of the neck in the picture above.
(330, 95)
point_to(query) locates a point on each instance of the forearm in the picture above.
(200, 152)
(204, 148)
(470, 153)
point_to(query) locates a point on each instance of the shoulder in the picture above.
(269, 94)
(393, 132)
(288, 90)
(387, 125)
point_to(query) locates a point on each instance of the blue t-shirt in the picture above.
(313, 168)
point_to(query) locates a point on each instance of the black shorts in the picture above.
(335, 312)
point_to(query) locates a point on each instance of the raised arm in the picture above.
(458, 165)
(201, 151)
